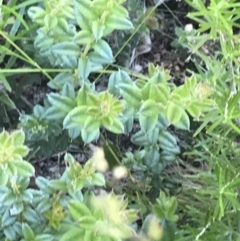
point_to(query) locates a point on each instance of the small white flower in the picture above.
(99, 160)
(188, 27)
(120, 172)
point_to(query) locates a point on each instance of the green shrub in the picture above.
(210, 196)
(73, 36)
(79, 108)
(65, 208)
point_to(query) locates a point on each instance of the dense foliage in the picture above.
(181, 172)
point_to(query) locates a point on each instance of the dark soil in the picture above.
(174, 14)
